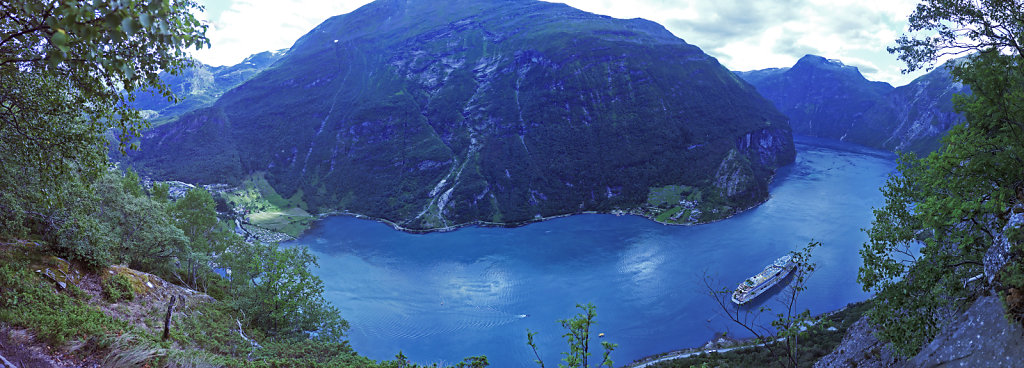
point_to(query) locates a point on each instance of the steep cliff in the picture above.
(825, 98)
(432, 115)
(201, 85)
(982, 335)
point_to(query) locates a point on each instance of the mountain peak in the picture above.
(484, 110)
(822, 62)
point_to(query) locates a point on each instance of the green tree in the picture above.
(131, 183)
(943, 211)
(196, 215)
(577, 336)
(104, 51)
(67, 72)
(277, 293)
(161, 192)
(479, 361)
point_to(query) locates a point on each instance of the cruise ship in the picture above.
(772, 274)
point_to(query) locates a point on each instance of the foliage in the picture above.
(117, 288)
(577, 337)
(67, 71)
(942, 211)
(479, 361)
(304, 353)
(196, 215)
(161, 192)
(141, 232)
(105, 51)
(579, 114)
(28, 301)
(941, 28)
(278, 293)
(782, 339)
(815, 345)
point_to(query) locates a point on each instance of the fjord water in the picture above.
(443, 296)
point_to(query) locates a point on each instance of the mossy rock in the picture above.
(142, 283)
(55, 269)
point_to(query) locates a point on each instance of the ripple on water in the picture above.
(441, 297)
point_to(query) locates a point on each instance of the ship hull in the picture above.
(757, 285)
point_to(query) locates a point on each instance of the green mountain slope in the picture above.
(432, 115)
(824, 98)
(201, 85)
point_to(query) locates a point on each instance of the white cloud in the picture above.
(743, 35)
(746, 35)
(245, 27)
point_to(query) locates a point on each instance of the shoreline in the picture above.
(489, 224)
(737, 344)
(481, 223)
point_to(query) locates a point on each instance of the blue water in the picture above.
(444, 296)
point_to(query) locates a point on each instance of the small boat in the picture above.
(771, 275)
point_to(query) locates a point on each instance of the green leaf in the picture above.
(146, 20)
(60, 40)
(128, 26)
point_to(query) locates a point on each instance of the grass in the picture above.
(293, 221)
(666, 216)
(668, 195)
(268, 209)
(28, 301)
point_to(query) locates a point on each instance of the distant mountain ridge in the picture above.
(825, 98)
(202, 85)
(501, 111)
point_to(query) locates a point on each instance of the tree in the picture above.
(942, 28)
(142, 233)
(577, 336)
(277, 293)
(479, 361)
(782, 338)
(161, 192)
(104, 50)
(943, 211)
(196, 215)
(67, 72)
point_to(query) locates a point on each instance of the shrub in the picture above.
(117, 288)
(30, 302)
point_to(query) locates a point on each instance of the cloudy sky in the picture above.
(742, 34)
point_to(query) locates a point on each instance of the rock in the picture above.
(1000, 253)
(981, 337)
(859, 348)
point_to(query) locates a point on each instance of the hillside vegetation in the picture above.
(483, 111)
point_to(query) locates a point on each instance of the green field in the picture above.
(265, 208)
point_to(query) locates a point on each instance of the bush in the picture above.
(76, 292)
(29, 302)
(117, 288)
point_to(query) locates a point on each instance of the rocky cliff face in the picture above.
(482, 110)
(981, 336)
(201, 85)
(827, 99)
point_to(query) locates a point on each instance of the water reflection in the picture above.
(440, 297)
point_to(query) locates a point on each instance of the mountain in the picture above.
(201, 85)
(435, 114)
(824, 98)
